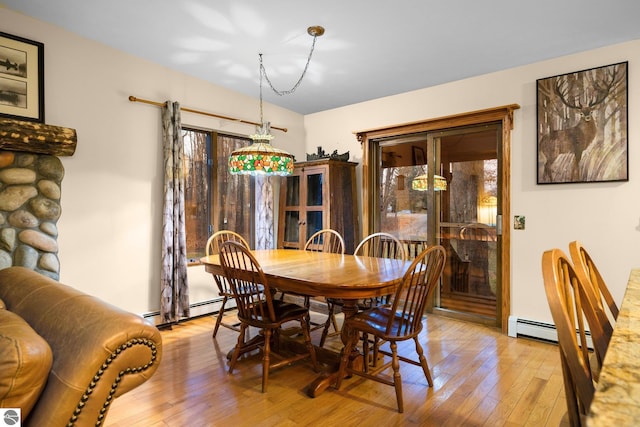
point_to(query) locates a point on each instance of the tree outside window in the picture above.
(214, 199)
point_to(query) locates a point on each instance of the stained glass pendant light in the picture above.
(261, 158)
(421, 183)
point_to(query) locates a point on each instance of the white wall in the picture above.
(109, 231)
(604, 216)
(111, 195)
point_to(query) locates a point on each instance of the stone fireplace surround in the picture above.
(31, 176)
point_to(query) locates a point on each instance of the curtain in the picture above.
(174, 292)
(264, 213)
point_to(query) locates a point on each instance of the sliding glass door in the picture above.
(442, 187)
(468, 220)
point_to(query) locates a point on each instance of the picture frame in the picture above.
(418, 156)
(582, 126)
(21, 78)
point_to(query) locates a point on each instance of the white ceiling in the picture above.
(371, 48)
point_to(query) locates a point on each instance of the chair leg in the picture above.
(327, 323)
(376, 346)
(397, 379)
(266, 359)
(423, 362)
(307, 341)
(220, 314)
(365, 352)
(307, 305)
(239, 345)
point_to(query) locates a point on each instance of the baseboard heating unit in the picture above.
(519, 327)
(197, 309)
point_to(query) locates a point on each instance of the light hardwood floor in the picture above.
(481, 378)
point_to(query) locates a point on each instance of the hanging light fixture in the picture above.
(261, 158)
(421, 183)
(487, 210)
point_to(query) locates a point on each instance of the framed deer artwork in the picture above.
(582, 126)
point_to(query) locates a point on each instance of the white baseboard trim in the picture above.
(197, 309)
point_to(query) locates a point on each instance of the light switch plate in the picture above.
(518, 222)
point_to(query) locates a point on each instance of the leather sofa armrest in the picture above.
(99, 351)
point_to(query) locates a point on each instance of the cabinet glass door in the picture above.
(315, 196)
(303, 205)
(292, 211)
(314, 189)
(314, 222)
(292, 227)
(293, 191)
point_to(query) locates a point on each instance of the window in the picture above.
(214, 199)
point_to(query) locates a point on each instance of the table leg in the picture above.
(324, 381)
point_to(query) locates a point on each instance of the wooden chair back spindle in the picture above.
(587, 270)
(381, 245)
(326, 240)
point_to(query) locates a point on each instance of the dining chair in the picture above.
(400, 320)
(212, 248)
(605, 306)
(379, 245)
(473, 245)
(570, 306)
(326, 240)
(257, 308)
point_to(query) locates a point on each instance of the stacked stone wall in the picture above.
(30, 190)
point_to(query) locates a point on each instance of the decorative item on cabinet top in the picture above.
(320, 154)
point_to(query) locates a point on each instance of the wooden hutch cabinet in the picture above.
(319, 194)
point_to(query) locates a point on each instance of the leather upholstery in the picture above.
(25, 361)
(99, 351)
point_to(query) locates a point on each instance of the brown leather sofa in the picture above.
(78, 350)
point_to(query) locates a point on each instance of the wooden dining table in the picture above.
(616, 401)
(347, 277)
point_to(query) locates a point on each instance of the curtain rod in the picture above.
(204, 113)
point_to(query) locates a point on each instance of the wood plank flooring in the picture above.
(481, 378)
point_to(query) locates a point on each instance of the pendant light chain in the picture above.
(261, 158)
(263, 72)
(261, 68)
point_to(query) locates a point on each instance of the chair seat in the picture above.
(362, 304)
(284, 312)
(375, 321)
(287, 310)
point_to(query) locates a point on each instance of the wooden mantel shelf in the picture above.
(32, 137)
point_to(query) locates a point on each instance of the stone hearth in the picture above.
(30, 192)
